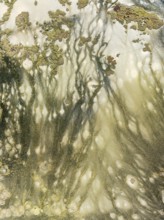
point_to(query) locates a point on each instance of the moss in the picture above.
(2, 62)
(84, 40)
(22, 21)
(111, 65)
(6, 15)
(54, 30)
(58, 14)
(50, 55)
(8, 49)
(7, 32)
(64, 2)
(134, 27)
(56, 56)
(145, 20)
(58, 34)
(82, 3)
(136, 41)
(147, 48)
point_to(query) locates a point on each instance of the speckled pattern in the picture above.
(81, 110)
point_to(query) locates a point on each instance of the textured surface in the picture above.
(81, 110)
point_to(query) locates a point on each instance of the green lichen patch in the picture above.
(134, 27)
(82, 3)
(107, 64)
(6, 15)
(83, 40)
(2, 62)
(31, 53)
(58, 15)
(127, 14)
(147, 48)
(136, 40)
(111, 61)
(64, 2)
(57, 34)
(58, 27)
(6, 32)
(7, 49)
(22, 21)
(111, 65)
(9, 2)
(8, 62)
(59, 18)
(55, 58)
